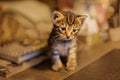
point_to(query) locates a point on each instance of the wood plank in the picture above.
(105, 68)
(16, 69)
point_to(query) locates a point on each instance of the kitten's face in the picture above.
(67, 24)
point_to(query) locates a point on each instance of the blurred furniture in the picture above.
(15, 57)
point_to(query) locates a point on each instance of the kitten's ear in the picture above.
(57, 16)
(81, 18)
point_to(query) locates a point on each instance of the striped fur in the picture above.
(62, 40)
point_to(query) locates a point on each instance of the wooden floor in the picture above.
(85, 57)
(105, 68)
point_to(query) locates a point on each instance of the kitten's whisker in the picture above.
(77, 40)
(56, 38)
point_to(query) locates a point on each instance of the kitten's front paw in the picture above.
(71, 66)
(57, 67)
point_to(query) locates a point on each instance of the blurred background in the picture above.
(101, 25)
(98, 36)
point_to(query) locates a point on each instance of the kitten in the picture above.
(62, 40)
(11, 29)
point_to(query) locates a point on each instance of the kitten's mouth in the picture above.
(67, 40)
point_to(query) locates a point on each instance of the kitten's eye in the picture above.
(74, 30)
(63, 28)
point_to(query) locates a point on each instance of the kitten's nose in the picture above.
(68, 37)
(68, 34)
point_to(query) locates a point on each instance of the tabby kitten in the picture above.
(11, 29)
(62, 40)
